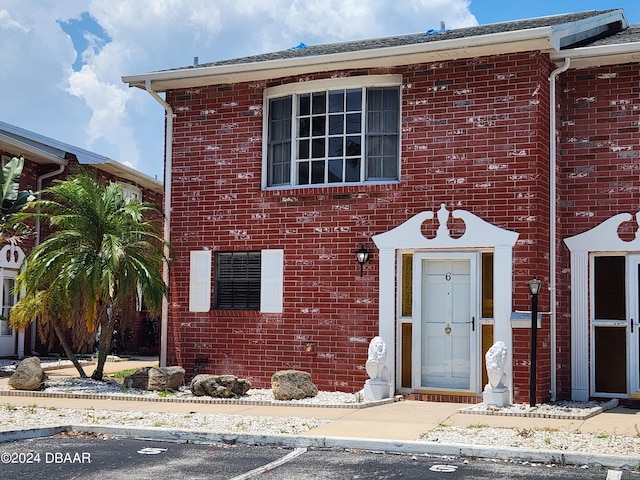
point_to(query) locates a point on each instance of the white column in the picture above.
(502, 300)
(387, 312)
(21, 344)
(579, 325)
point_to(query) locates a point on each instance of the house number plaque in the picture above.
(448, 276)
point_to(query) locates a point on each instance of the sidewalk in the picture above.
(390, 427)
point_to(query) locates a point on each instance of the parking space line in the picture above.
(270, 466)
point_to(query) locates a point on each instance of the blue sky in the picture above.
(63, 59)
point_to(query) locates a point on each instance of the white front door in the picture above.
(447, 338)
(7, 334)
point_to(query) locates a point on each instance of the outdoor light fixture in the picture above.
(362, 256)
(534, 286)
(534, 289)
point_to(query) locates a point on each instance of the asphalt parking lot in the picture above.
(97, 457)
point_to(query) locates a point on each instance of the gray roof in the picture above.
(41, 149)
(557, 35)
(412, 39)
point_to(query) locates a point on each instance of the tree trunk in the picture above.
(104, 345)
(67, 349)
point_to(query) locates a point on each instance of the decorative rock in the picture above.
(292, 385)
(156, 378)
(219, 386)
(29, 375)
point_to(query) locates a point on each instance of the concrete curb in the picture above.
(15, 435)
(344, 443)
(195, 400)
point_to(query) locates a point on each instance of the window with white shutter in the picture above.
(200, 281)
(242, 281)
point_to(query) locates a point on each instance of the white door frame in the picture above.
(418, 273)
(603, 237)
(478, 235)
(11, 257)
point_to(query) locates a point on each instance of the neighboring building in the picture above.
(466, 161)
(48, 160)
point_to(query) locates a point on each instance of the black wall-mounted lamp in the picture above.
(362, 256)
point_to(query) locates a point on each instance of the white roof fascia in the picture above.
(128, 173)
(599, 56)
(467, 47)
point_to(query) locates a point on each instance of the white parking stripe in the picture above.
(269, 466)
(614, 475)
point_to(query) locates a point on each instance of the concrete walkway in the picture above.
(397, 424)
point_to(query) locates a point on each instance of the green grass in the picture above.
(120, 375)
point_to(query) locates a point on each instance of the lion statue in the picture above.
(376, 363)
(496, 359)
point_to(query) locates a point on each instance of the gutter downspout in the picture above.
(552, 220)
(164, 317)
(39, 181)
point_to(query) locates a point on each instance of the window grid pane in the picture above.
(279, 146)
(326, 154)
(382, 133)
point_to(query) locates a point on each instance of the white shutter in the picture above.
(200, 281)
(272, 274)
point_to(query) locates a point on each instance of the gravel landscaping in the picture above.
(17, 417)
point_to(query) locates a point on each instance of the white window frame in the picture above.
(294, 89)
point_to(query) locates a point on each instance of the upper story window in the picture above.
(331, 132)
(130, 191)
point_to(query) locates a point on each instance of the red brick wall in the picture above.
(475, 137)
(598, 168)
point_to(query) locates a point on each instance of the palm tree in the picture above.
(104, 249)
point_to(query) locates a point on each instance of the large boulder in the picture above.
(292, 385)
(29, 375)
(156, 378)
(219, 386)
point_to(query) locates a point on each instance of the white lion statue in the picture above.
(496, 359)
(377, 362)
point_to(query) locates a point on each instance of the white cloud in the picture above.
(8, 23)
(91, 108)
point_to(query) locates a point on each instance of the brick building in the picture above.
(48, 160)
(465, 162)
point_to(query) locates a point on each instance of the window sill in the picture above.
(356, 188)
